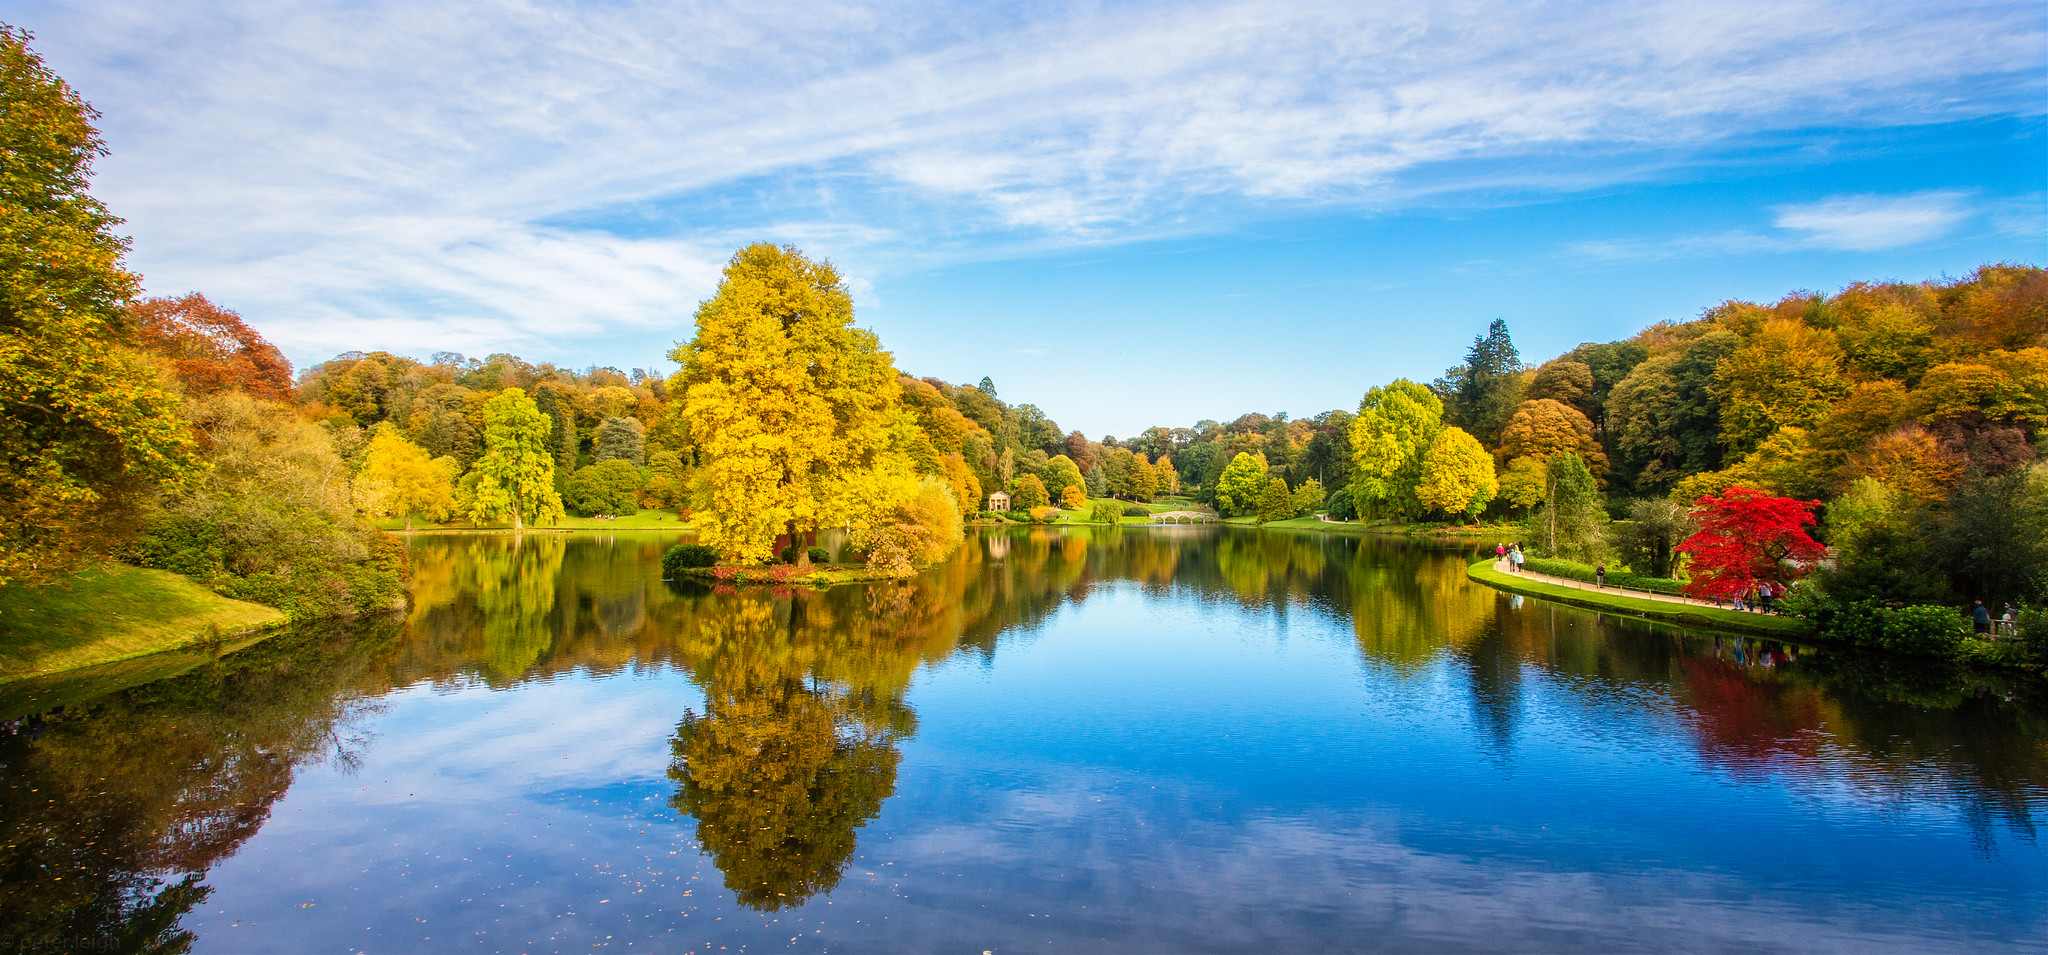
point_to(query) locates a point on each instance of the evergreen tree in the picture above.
(1481, 394)
(620, 439)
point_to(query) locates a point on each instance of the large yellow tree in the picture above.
(1457, 474)
(796, 414)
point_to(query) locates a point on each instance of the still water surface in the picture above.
(1159, 739)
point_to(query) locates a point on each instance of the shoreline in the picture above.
(1684, 615)
(81, 624)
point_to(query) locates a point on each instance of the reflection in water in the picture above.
(116, 809)
(111, 812)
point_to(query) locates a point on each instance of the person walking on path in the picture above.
(1600, 576)
(1515, 559)
(1980, 618)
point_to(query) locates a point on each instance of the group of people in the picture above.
(1980, 620)
(1511, 554)
(1758, 598)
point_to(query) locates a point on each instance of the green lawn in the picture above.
(1687, 615)
(113, 613)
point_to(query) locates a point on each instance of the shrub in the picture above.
(1339, 506)
(1137, 510)
(1044, 515)
(2033, 628)
(686, 556)
(819, 555)
(1106, 512)
(1573, 570)
(1924, 630)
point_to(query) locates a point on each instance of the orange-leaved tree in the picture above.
(1746, 538)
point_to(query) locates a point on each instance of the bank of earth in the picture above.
(113, 613)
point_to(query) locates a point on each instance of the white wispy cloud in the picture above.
(490, 174)
(1872, 223)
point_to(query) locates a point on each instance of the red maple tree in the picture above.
(1746, 538)
(209, 348)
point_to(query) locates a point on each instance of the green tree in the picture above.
(516, 474)
(1395, 425)
(1097, 484)
(1481, 394)
(1106, 511)
(1457, 475)
(795, 413)
(1524, 482)
(1028, 493)
(1572, 522)
(1060, 472)
(1239, 488)
(1275, 504)
(1308, 497)
(608, 487)
(620, 439)
(89, 430)
(398, 479)
(1654, 527)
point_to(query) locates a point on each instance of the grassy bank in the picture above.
(1685, 615)
(114, 613)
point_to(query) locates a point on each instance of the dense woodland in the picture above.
(168, 432)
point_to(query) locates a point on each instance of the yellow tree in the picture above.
(1395, 425)
(399, 478)
(1457, 474)
(89, 431)
(516, 474)
(1144, 479)
(1786, 373)
(795, 413)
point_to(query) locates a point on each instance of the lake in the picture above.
(1145, 739)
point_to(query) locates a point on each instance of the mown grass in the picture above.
(113, 613)
(1687, 615)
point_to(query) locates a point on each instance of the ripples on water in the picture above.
(1160, 739)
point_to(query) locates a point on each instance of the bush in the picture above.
(1339, 506)
(1573, 570)
(1106, 511)
(1923, 630)
(1137, 510)
(819, 555)
(1044, 515)
(685, 557)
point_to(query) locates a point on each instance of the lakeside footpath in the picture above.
(1684, 611)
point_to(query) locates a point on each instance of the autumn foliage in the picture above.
(210, 349)
(1745, 538)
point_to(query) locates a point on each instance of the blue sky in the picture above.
(1129, 214)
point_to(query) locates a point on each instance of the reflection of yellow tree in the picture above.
(781, 769)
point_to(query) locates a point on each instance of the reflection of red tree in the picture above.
(1749, 725)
